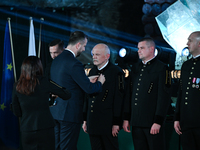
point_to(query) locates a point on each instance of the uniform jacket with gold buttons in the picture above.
(188, 102)
(147, 99)
(103, 110)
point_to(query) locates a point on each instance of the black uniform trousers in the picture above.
(190, 139)
(152, 142)
(104, 142)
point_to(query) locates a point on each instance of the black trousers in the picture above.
(190, 139)
(104, 142)
(66, 135)
(143, 140)
(38, 140)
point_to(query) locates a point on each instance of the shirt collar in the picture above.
(196, 56)
(103, 66)
(148, 60)
(71, 52)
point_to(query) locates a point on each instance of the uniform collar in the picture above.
(149, 61)
(196, 58)
(103, 66)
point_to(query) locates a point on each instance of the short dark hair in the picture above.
(149, 40)
(58, 42)
(77, 36)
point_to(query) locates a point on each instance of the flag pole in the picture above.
(11, 43)
(39, 48)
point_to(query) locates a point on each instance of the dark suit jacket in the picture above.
(149, 94)
(69, 72)
(34, 109)
(188, 103)
(103, 110)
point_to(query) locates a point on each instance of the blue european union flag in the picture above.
(9, 124)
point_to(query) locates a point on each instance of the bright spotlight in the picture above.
(122, 52)
(185, 52)
(156, 52)
(129, 54)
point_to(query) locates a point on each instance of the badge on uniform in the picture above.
(195, 82)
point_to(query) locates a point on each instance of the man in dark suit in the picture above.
(103, 111)
(187, 113)
(68, 72)
(147, 106)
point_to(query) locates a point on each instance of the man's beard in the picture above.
(78, 54)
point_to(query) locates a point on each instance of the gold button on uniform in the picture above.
(186, 103)
(91, 110)
(92, 101)
(135, 103)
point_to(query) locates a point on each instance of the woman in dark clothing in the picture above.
(30, 103)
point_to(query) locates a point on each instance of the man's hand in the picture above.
(177, 127)
(115, 130)
(94, 78)
(54, 96)
(155, 128)
(126, 126)
(84, 126)
(101, 78)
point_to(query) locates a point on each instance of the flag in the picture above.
(31, 48)
(9, 124)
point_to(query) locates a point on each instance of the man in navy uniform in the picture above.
(187, 113)
(103, 111)
(146, 108)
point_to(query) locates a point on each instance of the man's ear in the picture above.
(152, 49)
(78, 45)
(107, 56)
(199, 44)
